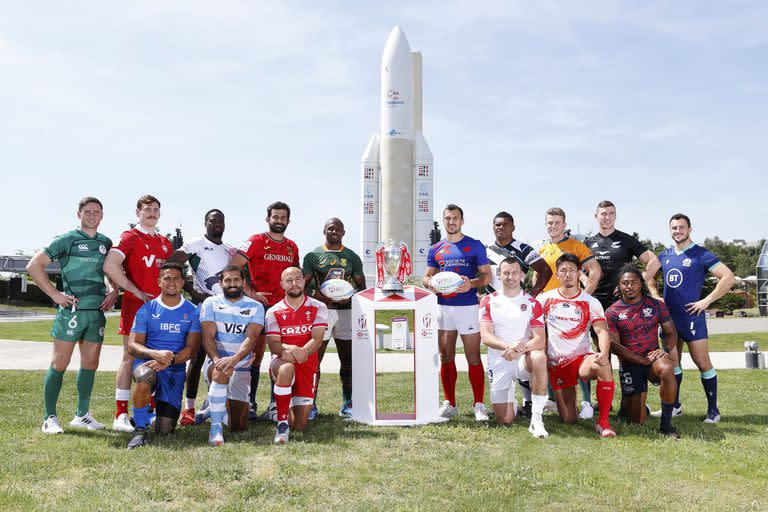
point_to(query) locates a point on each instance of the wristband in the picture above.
(665, 349)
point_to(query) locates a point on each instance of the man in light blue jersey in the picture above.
(231, 324)
(165, 334)
(685, 266)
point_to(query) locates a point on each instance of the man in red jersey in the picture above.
(134, 264)
(295, 329)
(267, 255)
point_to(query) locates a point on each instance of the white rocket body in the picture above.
(397, 164)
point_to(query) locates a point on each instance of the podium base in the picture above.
(399, 422)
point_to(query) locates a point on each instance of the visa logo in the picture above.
(234, 328)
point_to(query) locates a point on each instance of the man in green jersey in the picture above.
(334, 261)
(80, 318)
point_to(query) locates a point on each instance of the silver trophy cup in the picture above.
(392, 256)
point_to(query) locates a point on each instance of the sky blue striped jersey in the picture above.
(232, 319)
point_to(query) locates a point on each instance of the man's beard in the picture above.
(230, 294)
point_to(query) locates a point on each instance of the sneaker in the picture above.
(525, 410)
(216, 436)
(536, 428)
(122, 423)
(671, 432)
(271, 413)
(550, 406)
(281, 433)
(447, 410)
(139, 439)
(605, 431)
(252, 414)
(587, 412)
(313, 412)
(187, 418)
(480, 413)
(346, 409)
(202, 416)
(713, 416)
(676, 411)
(51, 425)
(86, 421)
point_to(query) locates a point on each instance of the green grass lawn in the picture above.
(40, 331)
(337, 465)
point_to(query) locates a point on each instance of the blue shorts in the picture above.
(691, 328)
(170, 383)
(634, 378)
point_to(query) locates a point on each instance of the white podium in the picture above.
(423, 303)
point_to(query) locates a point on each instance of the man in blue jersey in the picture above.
(458, 312)
(165, 334)
(231, 324)
(685, 266)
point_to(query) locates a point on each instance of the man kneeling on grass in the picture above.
(165, 334)
(634, 326)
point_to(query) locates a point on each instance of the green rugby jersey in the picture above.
(323, 264)
(82, 265)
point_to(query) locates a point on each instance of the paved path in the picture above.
(36, 355)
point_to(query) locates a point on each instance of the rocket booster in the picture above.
(397, 174)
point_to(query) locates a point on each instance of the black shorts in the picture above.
(634, 378)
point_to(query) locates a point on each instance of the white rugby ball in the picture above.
(446, 282)
(337, 289)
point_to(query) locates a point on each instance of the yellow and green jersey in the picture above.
(323, 264)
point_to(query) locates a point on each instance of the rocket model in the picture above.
(397, 163)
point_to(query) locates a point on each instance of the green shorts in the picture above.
(83, 324)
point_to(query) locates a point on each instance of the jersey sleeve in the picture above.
(596, 312)
(530, 256)
(611, 319)
(709, 260)
(124, 243)
(484, 312)
(271, 323)
(537, 314)
(206, 311)
(56, 249)
(141, 319)
(664, 315)
(258, 316)
(637, 247)
(357, 266)
(583, 252)
(308, 265)
(481, 256)
(431, 258)
(248, 249)
(195, 322)
(321, 318)
(192, 247)
(296, 262)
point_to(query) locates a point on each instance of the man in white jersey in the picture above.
(569, 312)
(207, 255)
(231, 324)
(512, 328)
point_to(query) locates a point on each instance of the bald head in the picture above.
(292, 281)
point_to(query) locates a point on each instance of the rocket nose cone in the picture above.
(396, 42)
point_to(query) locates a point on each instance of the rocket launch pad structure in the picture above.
(397, 165)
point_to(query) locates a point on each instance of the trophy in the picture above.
(393, 265)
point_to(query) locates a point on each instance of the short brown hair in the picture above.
(555, 211)
(88, 199)
(147, 200)
(605, 204)
(452, 207)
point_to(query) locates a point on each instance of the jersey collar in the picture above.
(674, 248)
(326, 249)
(177, 306)
(139, 228)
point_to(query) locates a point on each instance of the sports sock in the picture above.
(217, 402)
(525, 389)
(345, 374)
(586, 391)
(283, 402)
(537, 405)
(679, 379)
(604, 394)
(141, 416)
(121, 401)
(191, 403)
(51, 390)
(254, 383)
(709, 381)
(666, 415)
(448, 378)
(84, 381)
(477, 381)
(317, 386)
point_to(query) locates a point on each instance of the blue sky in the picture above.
(659, 107)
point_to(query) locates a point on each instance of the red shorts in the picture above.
(304, 381)
(566, 375)
(128, 310)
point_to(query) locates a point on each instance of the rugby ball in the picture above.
(446, 282)
(337, 289)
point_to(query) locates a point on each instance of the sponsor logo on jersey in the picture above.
(309, 315)
(165, 248)
(234, 328)
(602, 253)
(278, 257)
(102, 249)
(623, 315)
(171, 328)
(594, 245)
(647, 312)
(294, 330)
(208, 249)
(148, 260)
(82, 247)
(156, 316)
(674, 278)
(616, 245)
(687, 262)
(523, 307)
(245, 312)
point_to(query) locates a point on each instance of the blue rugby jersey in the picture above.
(166, 327)
(463, 257)
(684, 275)
(232, 320)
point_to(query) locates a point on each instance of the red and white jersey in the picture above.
(294, 326)
(144, 254)
(512, 317)
(267, 258)
(568, 321)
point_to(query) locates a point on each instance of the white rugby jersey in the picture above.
(207, 259)
(568, 321)
(512, 317)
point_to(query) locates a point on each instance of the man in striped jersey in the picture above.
(231, 324)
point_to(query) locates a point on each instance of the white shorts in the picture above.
(339, 324)
(502, 378)
(239, 386)
(458, 318)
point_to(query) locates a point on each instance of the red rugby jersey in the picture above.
(267, 258)
(144, 254)
(294, 326)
